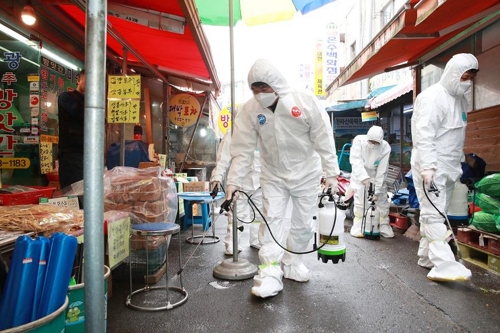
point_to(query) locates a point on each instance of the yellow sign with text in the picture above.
(124, 110)
(118, 246)
(225, 119)
(183, 110)
(49, 138)
(45, 157)
(121, 86)
(14, 163)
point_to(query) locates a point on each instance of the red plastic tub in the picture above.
(26, 198)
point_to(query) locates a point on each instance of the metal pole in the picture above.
(122, 126)
(235, 231)
(95, 48)
(231, 57)
(165, 142)
(401, 135)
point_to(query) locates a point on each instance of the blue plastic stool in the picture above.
(189, 219)
(162, 229)
(203, 198)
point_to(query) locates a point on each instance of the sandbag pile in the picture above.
(487, 197)
(143, 192)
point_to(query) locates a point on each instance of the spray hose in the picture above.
(227, 206)
(435, 190)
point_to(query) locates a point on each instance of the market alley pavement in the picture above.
(379, 288)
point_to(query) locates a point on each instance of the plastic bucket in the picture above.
(53, 323)
(75, 313)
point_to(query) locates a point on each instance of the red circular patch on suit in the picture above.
(296, 112)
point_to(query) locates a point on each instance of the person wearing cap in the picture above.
(369, 158)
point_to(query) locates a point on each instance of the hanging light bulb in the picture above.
(28, 15)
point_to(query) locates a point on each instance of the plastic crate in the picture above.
(26, 198)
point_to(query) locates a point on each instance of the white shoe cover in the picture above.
(449, 271)
(386, 231)
(299, 273)
(356, 230)
(425, 263)
(266, 287)
(268, 282)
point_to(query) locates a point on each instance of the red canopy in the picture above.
(185, 55)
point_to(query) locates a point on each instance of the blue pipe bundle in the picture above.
(40, 278)
(58, 273)
(19, 291)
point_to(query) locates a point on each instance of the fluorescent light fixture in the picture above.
(28, 15)
(44, 51)
(8, 31)
(203, 132)
(59, 59)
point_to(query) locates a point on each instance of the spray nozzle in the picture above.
(214, 192)
(433, 189)
(227, 204)
(371, 193)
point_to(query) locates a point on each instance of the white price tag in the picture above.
(64, 202)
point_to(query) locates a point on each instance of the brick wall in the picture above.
(483, 136)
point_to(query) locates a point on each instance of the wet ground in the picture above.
(379, 288)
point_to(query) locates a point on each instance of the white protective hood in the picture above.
(439, 120)
(455, 68)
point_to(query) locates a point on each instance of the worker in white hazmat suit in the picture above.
(369, 158)
(251, 187)
(296, 143)
(438, 133)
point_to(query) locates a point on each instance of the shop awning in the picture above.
(389, 95)
(360, 103)
(167, 34)
(417, 29)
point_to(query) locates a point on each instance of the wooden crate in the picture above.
(479, 257)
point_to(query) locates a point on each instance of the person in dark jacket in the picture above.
(71, 119)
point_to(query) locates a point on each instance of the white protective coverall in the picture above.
(251, 187)
(296, 143)
(370, 162)
(438, 133)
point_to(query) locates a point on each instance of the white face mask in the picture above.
(372, 145)
(464, 87)
(266, 99)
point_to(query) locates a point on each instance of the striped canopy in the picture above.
(254, 12)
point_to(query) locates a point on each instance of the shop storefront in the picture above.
(39, 62)
(472, 31)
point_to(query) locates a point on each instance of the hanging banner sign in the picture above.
(318, 69)
(225, 119)
(125, 87)
(369, 116)
(183, 110)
